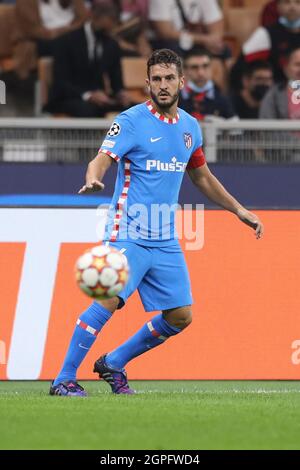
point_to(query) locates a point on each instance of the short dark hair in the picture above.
(197, 52)
(165, 57)
(253, 67)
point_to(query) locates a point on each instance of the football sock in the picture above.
(88, 326)
(154, 333)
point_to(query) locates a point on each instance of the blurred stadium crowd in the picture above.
(76, 58)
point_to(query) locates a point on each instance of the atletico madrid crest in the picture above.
(188, 140)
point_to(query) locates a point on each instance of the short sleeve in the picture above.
(160, 10)
(258, 46)
(197, 158)
(119, 140)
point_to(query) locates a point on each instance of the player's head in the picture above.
(165, 77)
(257, 79)
(197, 67)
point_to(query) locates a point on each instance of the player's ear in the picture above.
(181, 84)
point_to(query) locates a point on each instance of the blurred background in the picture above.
(67, 67)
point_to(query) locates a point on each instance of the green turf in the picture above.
(163, 415)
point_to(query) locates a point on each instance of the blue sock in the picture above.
(88, 326)
(154, 333)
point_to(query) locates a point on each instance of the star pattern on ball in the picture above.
(102, 272)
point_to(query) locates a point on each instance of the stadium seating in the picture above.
(134, 74)
(241, 17)
(241, 22)
(45, 75)
(7, 29)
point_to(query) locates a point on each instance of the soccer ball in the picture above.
(102, 272)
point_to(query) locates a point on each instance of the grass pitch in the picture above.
(163, 415)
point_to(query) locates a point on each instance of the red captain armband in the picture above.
(196, 160)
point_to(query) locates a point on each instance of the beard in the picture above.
(165, 104)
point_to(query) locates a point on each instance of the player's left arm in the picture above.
(211, 187)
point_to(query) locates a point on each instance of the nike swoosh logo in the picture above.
(83, 347)
(155, 140)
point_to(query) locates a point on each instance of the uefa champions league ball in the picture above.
(102, 272)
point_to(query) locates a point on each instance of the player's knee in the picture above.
(185, 320)
(110, 304)
(180, 318)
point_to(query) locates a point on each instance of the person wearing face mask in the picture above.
(257, 80)
(200, 96)
(283, 100)
(87, 69)
(272, 43)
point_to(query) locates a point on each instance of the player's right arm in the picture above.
(119, 141)
(95, 173)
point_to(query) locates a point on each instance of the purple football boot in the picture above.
(68, 389)
(117, 379)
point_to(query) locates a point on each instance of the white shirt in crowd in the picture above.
(196, 11)
(54, 16)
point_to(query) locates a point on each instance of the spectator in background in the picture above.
(283, 100)
(40, 23)
(257, 79)
(131, 33)
(134, 8)
(200, 96)
(87, 69)
(182, 24)
(270, 14)
(272, 43)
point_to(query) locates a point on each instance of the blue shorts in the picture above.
(158, 273)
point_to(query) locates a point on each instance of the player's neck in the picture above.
(169, 113)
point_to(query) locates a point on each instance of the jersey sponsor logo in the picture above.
(188, 140)
(155, 139)
(174, 165)
(114, 130)
(109, 143)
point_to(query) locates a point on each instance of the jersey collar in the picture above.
(160, 116)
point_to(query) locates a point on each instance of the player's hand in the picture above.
(91, 187)
(100, 98)
(252, 220)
